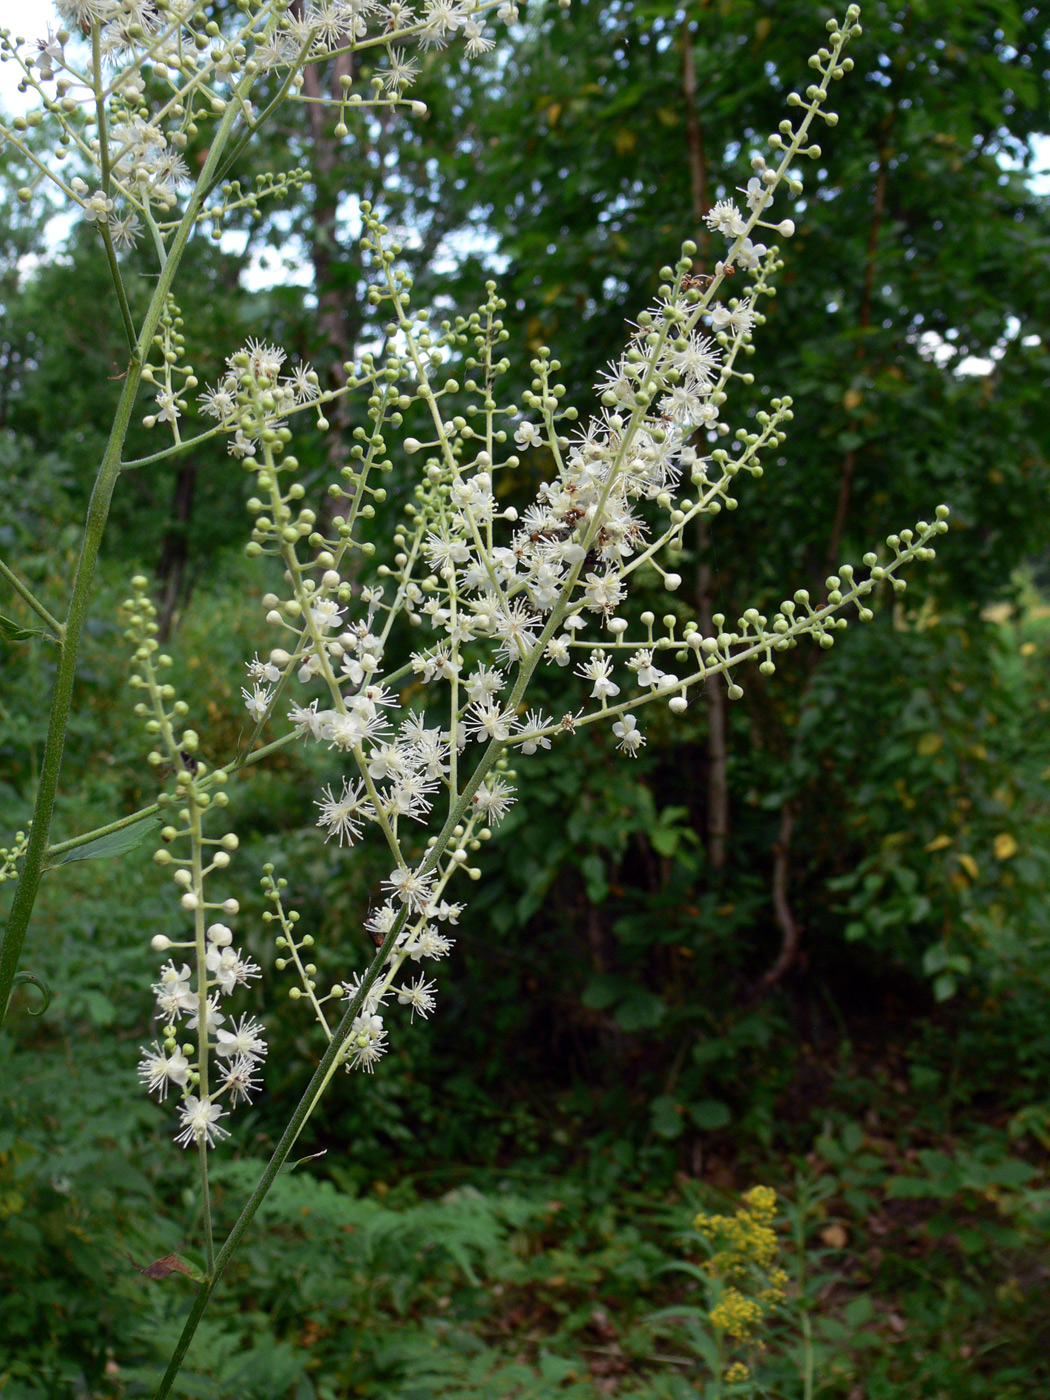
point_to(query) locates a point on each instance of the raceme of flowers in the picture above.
(488, 592)
(218, 1067)
(125, 87)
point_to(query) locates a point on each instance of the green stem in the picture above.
(61, 847)
(85, 839)
(801, 1215)
(27, 597)
(106, 171)
(114, 270)
(200, 939)
(325, 1067)
(97, 515)
(321, 1075)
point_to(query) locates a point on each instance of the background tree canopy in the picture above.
(803, 938)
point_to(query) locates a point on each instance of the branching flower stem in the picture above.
(98, 513)
(326, 1067)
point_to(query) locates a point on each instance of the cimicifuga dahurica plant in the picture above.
(423, 754)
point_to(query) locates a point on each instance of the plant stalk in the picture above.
(98, 513)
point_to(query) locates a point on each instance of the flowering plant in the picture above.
(485, 592)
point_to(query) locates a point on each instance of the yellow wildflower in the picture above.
(736, 1315)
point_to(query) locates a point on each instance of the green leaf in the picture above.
(640, 1010)
(602, 990)
(666, 1117)
(116, 843)
(12, 631)
(945, 986)
(592, 868)
(710, 1114)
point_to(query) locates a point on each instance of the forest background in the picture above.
(802, 940)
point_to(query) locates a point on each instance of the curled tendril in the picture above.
(41, 985)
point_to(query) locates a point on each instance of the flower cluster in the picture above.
(493, 590)
(488, 591)
(128, 84)
(417, 938)
(220, 1063)
(744, 1283)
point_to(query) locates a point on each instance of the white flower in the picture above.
(245, 1040)
(494, 800)
(239, 445)
(430, 752)
(757, 194)
(681, 405)
(257, 701)
(558, 651)
(219, 402)
(239, 1079)
(597, 669)
(443, 17)
(725, 218)
(50, 53)
(345, 731)
(603, 592)
(429, 944)
(303, 383)
(213, 1017)
(488, 721)
(410, 887)
(167, 408)
(388, 761)
(401, 73)
(343, 815)
(739, 321)
(631, 740)
(263, 671)
(308, 720)
(528, 435)
(264, 361)
(366, 1042)
(447, 913)
(173, 992)
(516, 626)
(381, 920)
(125, 231)
(157, 1070)
(477, 40)
(481, 685)
(419, 995)
(533, 721)
(408, 797)
(749, 255)
(326, 614)
(98, 208)
(697, 362)
(642, 664)
(200, 1122)
(230, 968)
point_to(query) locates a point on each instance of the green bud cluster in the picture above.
(11, 855)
